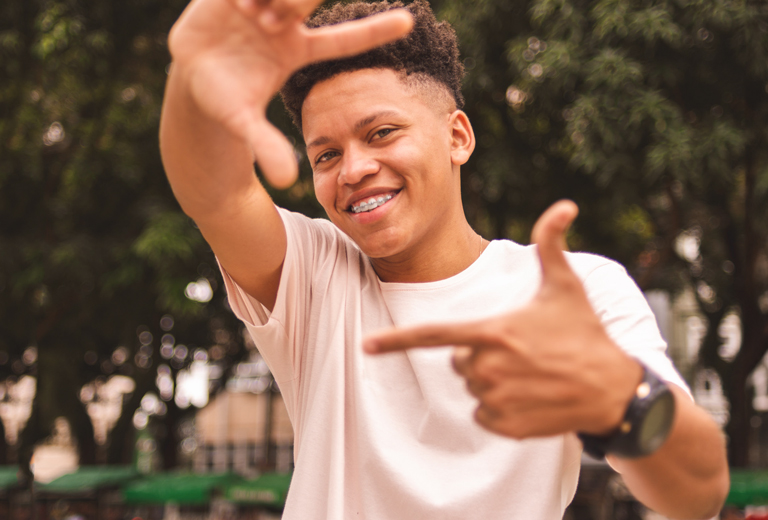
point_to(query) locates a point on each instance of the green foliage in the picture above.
(652, 116)
(94, 247)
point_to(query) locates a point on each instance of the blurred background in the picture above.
(120, 361)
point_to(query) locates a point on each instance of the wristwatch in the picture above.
(646, 424)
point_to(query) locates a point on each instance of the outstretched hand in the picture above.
(545, 369)
(236, 54)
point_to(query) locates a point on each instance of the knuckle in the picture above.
(509, 427)
(491, 364)
(517, 430)
(483, 417)
(564, 393)
(493, 333)
(432, 334)
(483, 370)
(461, 361)
(473, 388)
(494, 401)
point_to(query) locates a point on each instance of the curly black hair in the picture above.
(430, 50)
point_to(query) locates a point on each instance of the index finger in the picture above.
(356, 36)
(428, 336)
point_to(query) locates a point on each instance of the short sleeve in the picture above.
(280, 334)
(628, 319)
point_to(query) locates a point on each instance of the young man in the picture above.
(559, 344)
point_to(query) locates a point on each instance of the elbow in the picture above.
(700, 499)
(720, 488)
(711, 498)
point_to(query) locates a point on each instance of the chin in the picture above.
(375, 247)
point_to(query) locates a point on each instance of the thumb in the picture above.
(549, 235)
(274, 154)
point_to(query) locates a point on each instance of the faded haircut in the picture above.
(428, 54)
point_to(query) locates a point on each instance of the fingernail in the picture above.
(369, 347)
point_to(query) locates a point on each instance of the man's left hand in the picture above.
(545, 369)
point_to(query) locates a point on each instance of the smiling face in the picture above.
(386, 157)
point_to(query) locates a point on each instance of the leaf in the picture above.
(167, 237)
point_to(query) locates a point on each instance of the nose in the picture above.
(356, 164)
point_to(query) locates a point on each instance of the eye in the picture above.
(384, 132)
(327, 156)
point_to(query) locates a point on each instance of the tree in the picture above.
(95, 251)
(656, 109)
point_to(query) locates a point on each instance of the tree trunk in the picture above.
(739, 424)
(169, 441)
(753, 349)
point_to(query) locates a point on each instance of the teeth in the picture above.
(372, 203)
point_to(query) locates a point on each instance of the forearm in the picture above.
(211, 173)
(688, 476)
(206, 165)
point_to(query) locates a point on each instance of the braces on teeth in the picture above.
(372, 204)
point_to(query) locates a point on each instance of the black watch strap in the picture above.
(646, 424)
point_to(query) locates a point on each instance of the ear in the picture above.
(462, 138)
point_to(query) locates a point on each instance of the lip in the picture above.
(367, 194)
(376, 214)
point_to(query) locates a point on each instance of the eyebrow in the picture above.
(320, 141)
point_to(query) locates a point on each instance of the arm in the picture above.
(229, 59)
(688, 476)
(551, 368)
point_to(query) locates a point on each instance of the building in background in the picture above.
(244, 432)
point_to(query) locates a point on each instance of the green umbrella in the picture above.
(270, 489)
(180, 488)
(748, 488)
(9, 476)
(90, 478)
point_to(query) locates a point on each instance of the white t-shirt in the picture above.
(393, 436)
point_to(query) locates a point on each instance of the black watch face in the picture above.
(657, 423)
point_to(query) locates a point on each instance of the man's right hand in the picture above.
(230, 57)
(234, 55)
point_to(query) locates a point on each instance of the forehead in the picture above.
(343, 99)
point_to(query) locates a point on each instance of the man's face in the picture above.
(381, 155)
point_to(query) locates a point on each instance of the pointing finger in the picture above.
(354, 37)
(472, 334)
(549, 235)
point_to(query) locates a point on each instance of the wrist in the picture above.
(619, 375)
(645, 425)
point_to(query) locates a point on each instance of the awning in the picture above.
(179, 488)
(270, 489)
(9, 476)
(748, 488)
(88, 479)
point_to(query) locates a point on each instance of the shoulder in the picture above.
(319, 232)
(588, 265)
(316, 245)
(584, 264)
(304, 224)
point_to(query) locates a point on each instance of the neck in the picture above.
(435, 258)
